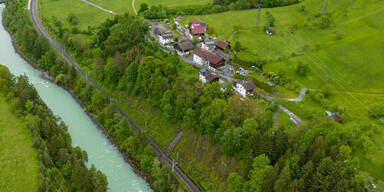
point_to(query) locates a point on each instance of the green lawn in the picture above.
(352, 63)
(61, 9)
(18, 159)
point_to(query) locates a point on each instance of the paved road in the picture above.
(299, 98)
(275, 118)
(178, 172)
(174, 142)
(97, 6)
(133, 7)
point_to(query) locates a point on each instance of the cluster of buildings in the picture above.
(209, 53)
(242, 87)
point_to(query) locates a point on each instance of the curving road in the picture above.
(161, 155)
(133, 7)
(299, 98)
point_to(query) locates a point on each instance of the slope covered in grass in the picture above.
(352, 59)
(18, 158)
(60, 9)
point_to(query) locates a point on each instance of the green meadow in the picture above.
(353, 59)
(347, 56)
(18, 159)
(87, 15)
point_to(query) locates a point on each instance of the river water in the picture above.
(102, 153)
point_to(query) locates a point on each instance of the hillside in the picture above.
(19, 167)
(225, 134)
(345, 58)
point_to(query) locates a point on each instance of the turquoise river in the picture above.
(101, 152)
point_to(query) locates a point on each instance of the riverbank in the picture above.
(46, 75)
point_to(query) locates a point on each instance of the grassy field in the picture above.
(354, 61)
(61, 9)
(18, 159)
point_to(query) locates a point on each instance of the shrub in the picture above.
(376, 111)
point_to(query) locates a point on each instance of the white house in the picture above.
(199, 57)
(166, 38)
(245, 87)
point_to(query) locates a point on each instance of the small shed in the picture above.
(270, 31)
(334, 116)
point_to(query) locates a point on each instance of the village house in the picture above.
(158, 30)
(209, 45)
(245, 87)
(221, 54)
(183, 48)
(206, 76)
(166, 38)
(184, 39)
(204, 57)
(223, 46)
(198, 27)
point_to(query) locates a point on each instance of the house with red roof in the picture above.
(198, 27)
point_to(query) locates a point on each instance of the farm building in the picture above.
(183, 48)
(223, 46)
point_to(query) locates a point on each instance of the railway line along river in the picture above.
(101, 152)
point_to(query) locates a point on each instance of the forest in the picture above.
(319, 155)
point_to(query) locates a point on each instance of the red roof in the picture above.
(222, 44)
(197, 21)
(212, 58)
(198, 30)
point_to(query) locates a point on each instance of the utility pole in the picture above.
(173, 165)
(259, 14)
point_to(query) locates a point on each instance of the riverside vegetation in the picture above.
(319, 155)
(62, 167)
